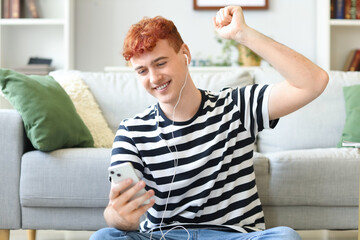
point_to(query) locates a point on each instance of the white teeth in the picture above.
(163, 86)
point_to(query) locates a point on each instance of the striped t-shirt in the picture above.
(214, 182)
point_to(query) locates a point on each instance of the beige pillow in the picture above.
(86, 107)
(4, 103)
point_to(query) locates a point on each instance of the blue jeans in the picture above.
(277, 233)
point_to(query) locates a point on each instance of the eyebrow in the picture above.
(152, 62)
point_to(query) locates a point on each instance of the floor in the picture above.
(76, 235)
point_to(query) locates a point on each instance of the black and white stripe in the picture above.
(214, 180)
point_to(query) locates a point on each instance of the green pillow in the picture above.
(351, 131)
(50, 118)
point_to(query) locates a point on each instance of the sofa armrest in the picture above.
(12, 145)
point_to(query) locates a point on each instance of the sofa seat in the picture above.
(312, 217)
(313, 177)
(312, 188)
(65, 178)
(61, 184)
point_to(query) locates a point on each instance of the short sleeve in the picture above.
(253, 101)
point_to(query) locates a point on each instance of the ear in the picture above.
(186, 51)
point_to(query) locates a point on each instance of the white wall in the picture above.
(101, 26)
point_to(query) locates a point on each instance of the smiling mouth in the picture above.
(161, 87)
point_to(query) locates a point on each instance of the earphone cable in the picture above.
(176, 161)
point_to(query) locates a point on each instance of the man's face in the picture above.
(162, 71)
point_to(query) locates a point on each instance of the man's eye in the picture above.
(141, 72)
(161, 64)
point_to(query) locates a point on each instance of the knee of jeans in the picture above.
(106, 233)
(289, 233)
(100, 234)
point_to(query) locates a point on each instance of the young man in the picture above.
(194, 148)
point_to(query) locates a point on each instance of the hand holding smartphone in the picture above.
(124, 171)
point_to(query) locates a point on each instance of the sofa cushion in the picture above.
(317, 125)
(351, 131)
(62, 218)
(66, 177)
(217, 79)
(313, 177)
(50, 119)
(75, 177)
(120, 95)
(312, 217)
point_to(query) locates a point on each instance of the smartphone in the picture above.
(124, 171)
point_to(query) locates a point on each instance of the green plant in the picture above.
(228, 46)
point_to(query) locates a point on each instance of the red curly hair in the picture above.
(143, 36)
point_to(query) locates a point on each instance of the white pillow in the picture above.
(317, 125)
(216, 79)
(86, 107)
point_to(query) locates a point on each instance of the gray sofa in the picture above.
(304, 181)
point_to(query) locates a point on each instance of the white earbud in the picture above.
(187, 59)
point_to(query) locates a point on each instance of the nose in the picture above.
(155, 77)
